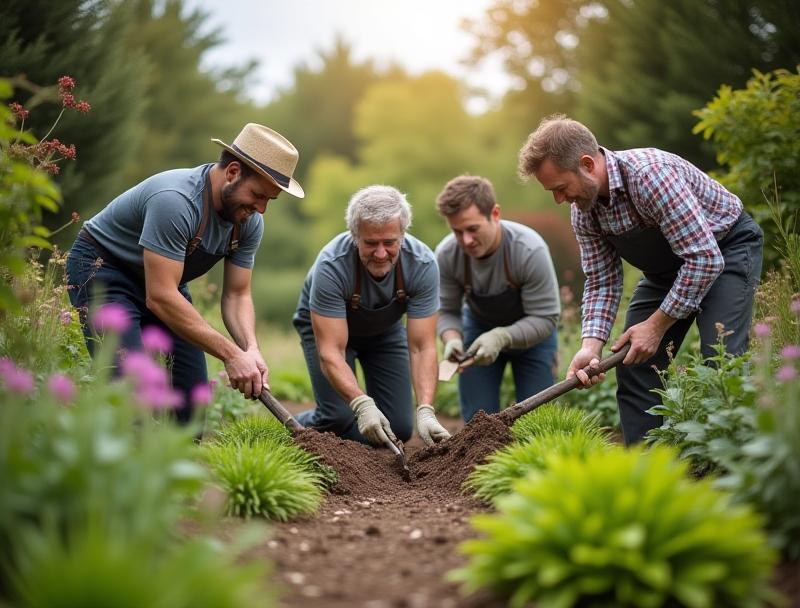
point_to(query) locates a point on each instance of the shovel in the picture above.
(509, 415)
(448, 368)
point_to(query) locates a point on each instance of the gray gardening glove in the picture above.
(453, 350)
(488, 345)
(428, 427)
(371, 422)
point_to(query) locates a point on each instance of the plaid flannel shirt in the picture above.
(692, 211)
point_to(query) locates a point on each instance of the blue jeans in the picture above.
(92, 284)
(387, 375)
(479, 385)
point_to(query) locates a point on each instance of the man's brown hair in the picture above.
(560, 139)
(465, 190)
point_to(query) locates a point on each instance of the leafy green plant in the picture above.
(554, 418)
(291, 385)
(264, 480)
(502, 469)
(708, 406)
(267, 430)
(623, 528)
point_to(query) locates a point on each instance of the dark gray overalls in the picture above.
(123, 283)
(729, 301)
(377, 338)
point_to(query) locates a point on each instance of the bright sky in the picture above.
(418, 34)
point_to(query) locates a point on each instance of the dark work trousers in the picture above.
(479, 385)
(387, 374)
(92, 284)
(729, 302)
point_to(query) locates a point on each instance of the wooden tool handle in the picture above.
(531, 403)
(280, 412)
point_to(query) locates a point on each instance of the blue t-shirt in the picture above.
(331, 281)
(163, 214)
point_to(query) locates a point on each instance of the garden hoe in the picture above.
(510, 414)
(291, 423)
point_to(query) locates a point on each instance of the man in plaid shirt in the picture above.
(699, 251)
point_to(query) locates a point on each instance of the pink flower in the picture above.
(762, 330)
(791, 352)
(786, 374)
(111, 317)
(795, 307)
(201, 394)
(19, 381)
(61, 387)
(65, 316)
(144, 370)
(7, 366)
(156, 340)
(158, 397)
(66, 83)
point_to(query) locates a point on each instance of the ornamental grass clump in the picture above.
(264, 480)
(497, 475)
(623, 528)
(267, 430)
(552, 417)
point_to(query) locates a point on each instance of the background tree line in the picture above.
(634, 70)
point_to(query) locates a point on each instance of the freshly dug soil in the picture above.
(381, 542)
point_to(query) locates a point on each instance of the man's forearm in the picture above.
(342, 379)
(424, 374)
(239, 317)
(180, 316)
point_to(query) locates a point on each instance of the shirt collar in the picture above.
(612, 169)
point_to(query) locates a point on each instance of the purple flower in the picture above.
(795, 306)
(158, 397)
(65, 316)
(201, 394)
(111, 317)
(19, 381)
(791, 352)
(786, 374)
(762, 330)
(7, 366)
(61, 387)
(156, 340)
(146, 372)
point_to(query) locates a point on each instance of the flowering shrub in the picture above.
(622, 528)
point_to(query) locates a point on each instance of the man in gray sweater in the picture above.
(498, 298)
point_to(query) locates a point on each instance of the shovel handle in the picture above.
(280, 412)
(531, 403)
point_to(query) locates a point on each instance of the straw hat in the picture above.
(269, 153)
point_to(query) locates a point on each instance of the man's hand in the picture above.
(453, 350)
(371, 421)
(428, 427)
(247, 372)
(589, 355)
(488, 345)
(644, 337)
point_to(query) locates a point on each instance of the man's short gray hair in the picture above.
(558, 138)
(377, 205)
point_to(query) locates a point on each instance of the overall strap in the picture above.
(355, 299)
(399, 283)
(197, 238)
(233, 245)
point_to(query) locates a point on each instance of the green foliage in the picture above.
(97, 567)
(554, 418)
(497, 475)
(623, 528)
(275, 293)
(707, 406)
(291, 385)
(773, 306)
(264, 480)
(754, 133)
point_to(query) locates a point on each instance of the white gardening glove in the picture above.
(488, 345)
(371, 421)
(428, 427)
(453, 350)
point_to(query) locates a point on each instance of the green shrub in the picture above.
(623, 528)
(553, 418)
(707, 405)
(267, 431)
(291, 385)
(497, 475)
(264, 480)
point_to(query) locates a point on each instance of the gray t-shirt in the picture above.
(330, 282)
(163, 214)
(531, 267)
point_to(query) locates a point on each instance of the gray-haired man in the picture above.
(351, 307)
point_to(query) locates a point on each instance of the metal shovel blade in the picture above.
(447, 369)
(400, 458)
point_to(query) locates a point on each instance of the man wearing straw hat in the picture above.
(361, 285)
(144, 247)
